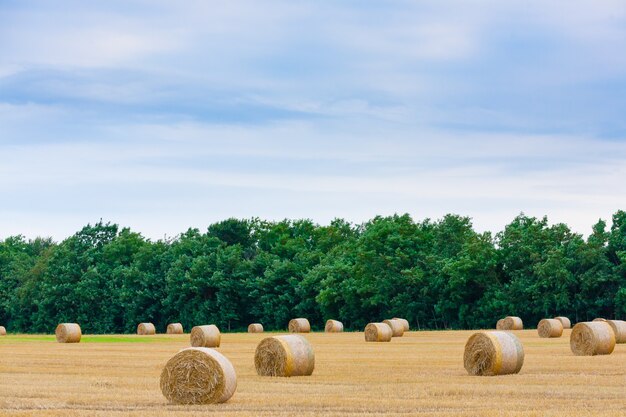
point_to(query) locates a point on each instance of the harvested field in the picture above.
(421, 373)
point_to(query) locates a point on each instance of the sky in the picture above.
(164, 115)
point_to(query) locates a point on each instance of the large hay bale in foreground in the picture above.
(174, 328)
(619, 328)
(255, 328)
(205, 336)
(378, 332)
(145, 329)
(299, 326)
(493, 353)
(289, 355)
(333, 326)
(550, 328)
(198, 376)
(512, 323)
(68, 333)
(397, 328)
(3, 331)
(405, 323)
(565, 322)
(500, 324)
(592, 338)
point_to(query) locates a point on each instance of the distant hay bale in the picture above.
(333, 326)
(397, 328)
(550, 328)
(619, 328)
(592, 338)
(205, 336)
(174, 328)
(512, 323)
(378, 332)
(145, 329)
(3, 331)
(299, 326)
(500, 324)
(599, 319)
(255, 328)
(493, 353)
(68, 333)
(567, 324)
(404, 322)
(198, 376)
(290, 355)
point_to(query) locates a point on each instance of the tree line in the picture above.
(437, 274)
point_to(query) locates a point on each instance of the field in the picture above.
(419, 374)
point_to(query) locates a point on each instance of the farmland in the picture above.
(419, 374)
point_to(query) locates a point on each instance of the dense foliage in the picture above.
(437, 274)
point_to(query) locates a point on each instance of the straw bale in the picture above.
(174, 328)
(550, 328)
(198, 375)
(299, 326)
(255, 328)
(493, 353)
(567, 324)
(68, 333)
(619, 328)
(289, 355)
(378, 332)
(146, 329)
(592, 338)
(205, 336)
(512, 323)
(397, 328)
(333, 326)
(3, 331)
(404, 322)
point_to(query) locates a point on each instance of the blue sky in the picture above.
(162, 115)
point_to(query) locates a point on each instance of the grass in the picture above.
(419, 374)
(122, 338)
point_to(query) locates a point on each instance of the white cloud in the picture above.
(190, 167)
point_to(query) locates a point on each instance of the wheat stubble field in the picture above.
(419, 374)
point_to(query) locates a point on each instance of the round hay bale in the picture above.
(378, 332)
(397, 328)
(619, 328)
(144, 329)
(68, 333)
(550, 328)
(592, 338)
(333, 326)
(404, 322)
(174, 328)
(567, 324)
(299, 326)
(500, 324)
(512, 323)
(198, 376)
(255, 328)
(3, 331)
(493, 353)
(205, 336)
(290, 355)
(599, 319)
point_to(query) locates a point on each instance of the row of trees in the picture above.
(437, 274)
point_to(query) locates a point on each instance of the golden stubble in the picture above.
(421, 373)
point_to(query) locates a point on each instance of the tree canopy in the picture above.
(437, 274)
